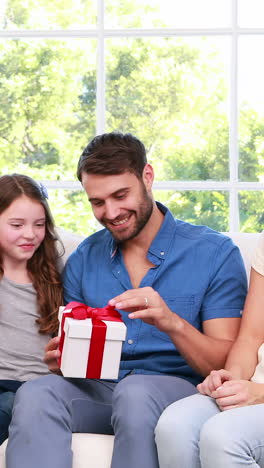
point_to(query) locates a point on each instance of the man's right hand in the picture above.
(213, 381)
(52, 354)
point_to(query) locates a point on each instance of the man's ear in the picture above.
(148, 176)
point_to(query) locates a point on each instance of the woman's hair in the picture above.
(113, 153)
(42, 266)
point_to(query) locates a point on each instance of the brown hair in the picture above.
(113, 153)
(42, 266)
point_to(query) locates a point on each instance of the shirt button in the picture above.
(162, 253)
(130, 341)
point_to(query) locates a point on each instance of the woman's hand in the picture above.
(237, 393)
(214, 380)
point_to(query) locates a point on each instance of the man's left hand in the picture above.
(147, 305)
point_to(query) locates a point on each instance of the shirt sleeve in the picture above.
(227, 289)
(258, 258)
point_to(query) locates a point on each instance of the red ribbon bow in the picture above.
(81, 312)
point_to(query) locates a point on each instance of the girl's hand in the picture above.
(214, 380)
(237, 393)
(52, 354)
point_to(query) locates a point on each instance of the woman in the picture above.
(223, 425)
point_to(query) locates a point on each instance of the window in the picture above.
(186, 77)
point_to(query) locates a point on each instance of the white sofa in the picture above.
(95, 450)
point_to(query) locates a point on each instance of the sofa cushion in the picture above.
(93, 450)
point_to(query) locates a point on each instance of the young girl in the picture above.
(30, 286)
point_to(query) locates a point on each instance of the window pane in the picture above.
(167, 13)
(172, 94)
(251, 211)
(251, 107)
(71, 211)
(250, 13)
(47, 14)
(47, 105)
(207, 208)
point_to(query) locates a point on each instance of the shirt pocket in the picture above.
(182, 306)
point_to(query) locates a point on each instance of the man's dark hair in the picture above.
(113, 153)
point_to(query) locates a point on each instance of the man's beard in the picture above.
(141, 216)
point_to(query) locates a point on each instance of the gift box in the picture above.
(90, 341)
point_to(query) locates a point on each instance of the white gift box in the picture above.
(76, 347)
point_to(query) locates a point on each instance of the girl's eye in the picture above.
(40, 224)
(16, 225)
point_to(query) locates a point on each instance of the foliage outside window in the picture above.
(172, 73)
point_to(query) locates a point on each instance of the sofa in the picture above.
(95, 450)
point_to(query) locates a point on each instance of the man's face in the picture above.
(121, 203)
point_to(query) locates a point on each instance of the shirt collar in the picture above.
(162, 241)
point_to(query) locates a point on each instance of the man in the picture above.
(180, 289)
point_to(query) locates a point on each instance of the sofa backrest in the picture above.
(247, 243)
(70, 242)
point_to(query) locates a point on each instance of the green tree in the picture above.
(170, 92)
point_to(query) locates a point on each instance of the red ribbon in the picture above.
(81, 312)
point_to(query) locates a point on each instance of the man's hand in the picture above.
(215, 379)
(237, 393)
(147, 305)
(52, 354)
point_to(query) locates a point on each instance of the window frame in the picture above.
(233, 186)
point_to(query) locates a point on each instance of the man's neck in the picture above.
(135, 251)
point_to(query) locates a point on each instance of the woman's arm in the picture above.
(242, 358)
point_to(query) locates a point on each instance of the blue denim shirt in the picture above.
(198, 272)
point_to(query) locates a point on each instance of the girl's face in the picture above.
(22, 229)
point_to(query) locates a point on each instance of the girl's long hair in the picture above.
(43, 265)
